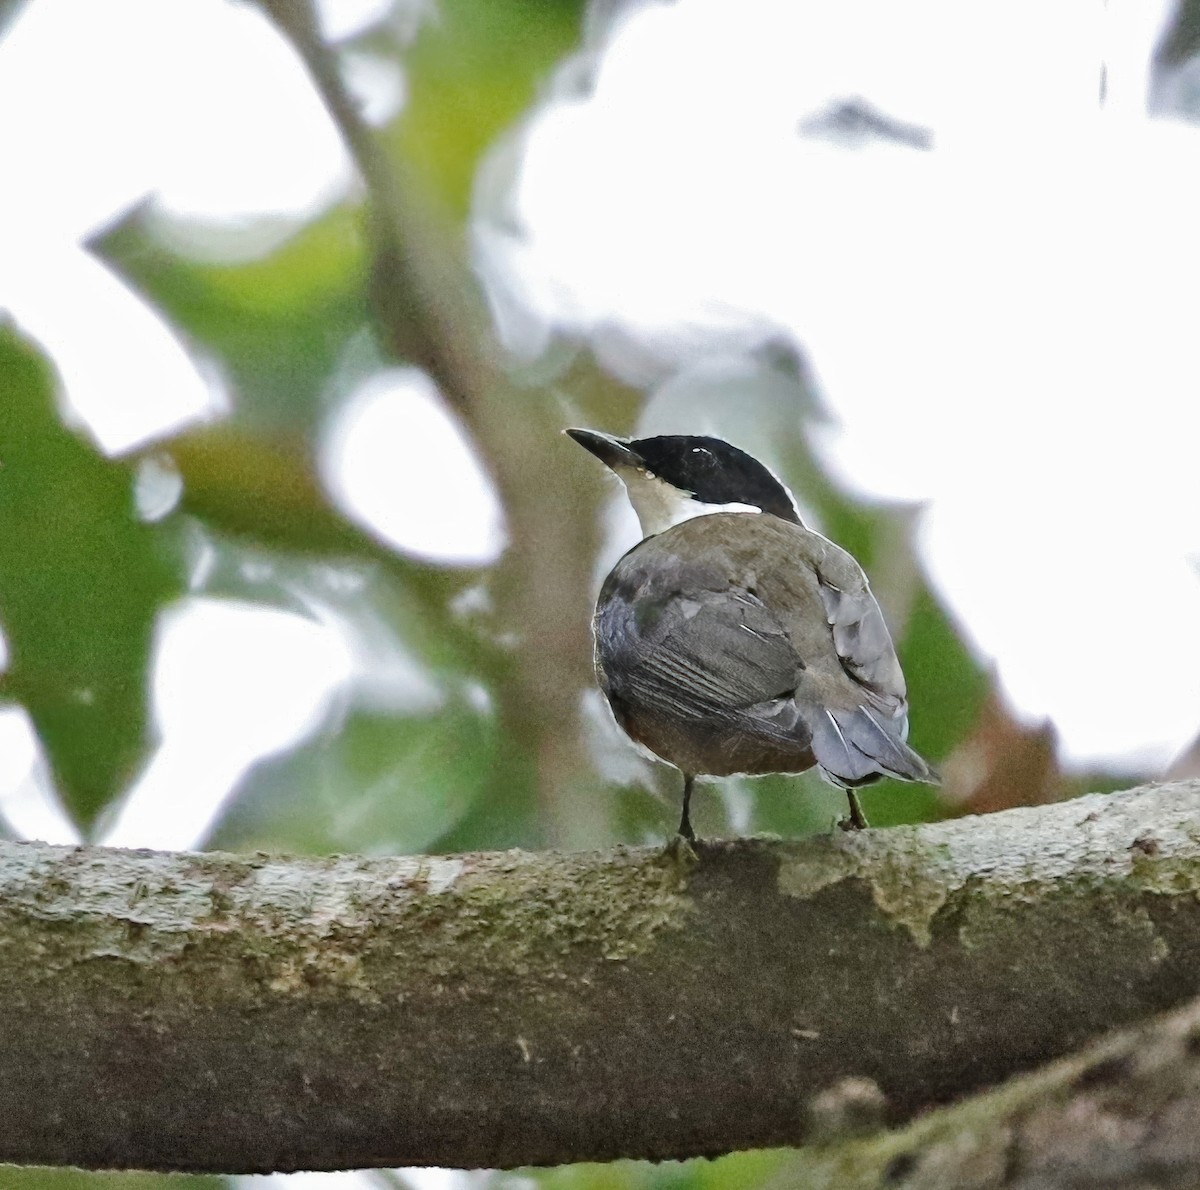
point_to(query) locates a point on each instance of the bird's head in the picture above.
(675, 477)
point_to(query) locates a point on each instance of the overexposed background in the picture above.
(937, 264)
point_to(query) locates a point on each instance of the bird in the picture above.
(734, 639)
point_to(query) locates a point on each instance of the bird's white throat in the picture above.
(659, 505)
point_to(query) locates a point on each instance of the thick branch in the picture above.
(211, 1012)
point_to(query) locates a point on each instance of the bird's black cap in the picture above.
(710, 469)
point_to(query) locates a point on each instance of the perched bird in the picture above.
(732, 639)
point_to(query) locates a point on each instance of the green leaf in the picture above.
(36, 1178)
(81, 581)
(474, 71)
(738, 1171)
(947, 686)
(757, 1167)
(278, 325)
(794, 804)
(371, 784)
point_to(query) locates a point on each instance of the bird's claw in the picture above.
(681, 852)
(856, 820)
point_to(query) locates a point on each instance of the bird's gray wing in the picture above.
(857, 739)
(700, 652)
(860, 634)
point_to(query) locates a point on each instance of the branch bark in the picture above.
(248, 1013)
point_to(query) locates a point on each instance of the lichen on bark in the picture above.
(169, 1011)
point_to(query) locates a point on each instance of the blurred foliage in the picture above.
(727, 1173)
(12, 1178)
(8, 10)
(472, 73)
(277, 327)
(415, 779)
(83, 581)
(1182, 38)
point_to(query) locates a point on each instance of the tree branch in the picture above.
(240, 1014)
(430, 312)
(1123, 1114)
(427, 304)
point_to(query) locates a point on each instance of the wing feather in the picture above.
(730, 654)
(691, 640)
(860, 634)
(857, 742)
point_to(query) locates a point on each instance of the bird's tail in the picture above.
(856, 745)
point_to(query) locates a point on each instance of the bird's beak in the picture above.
(612, 452)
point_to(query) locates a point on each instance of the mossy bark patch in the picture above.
(171, 1011)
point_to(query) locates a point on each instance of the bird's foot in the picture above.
(682, 852)
(856, 820)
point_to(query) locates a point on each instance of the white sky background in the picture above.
(1005, 327)
(978, 316)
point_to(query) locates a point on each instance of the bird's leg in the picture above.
(857, 820)
(685, 821)
(679, 850)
